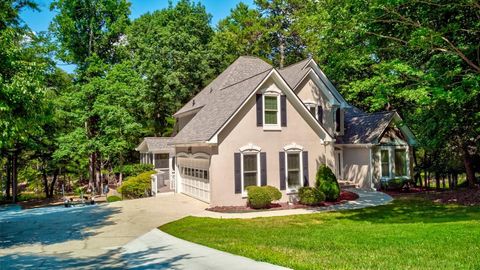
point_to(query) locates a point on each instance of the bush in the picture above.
(327, 183)
(137, 186)
(274, 193)
(310, 196)
(258, 197)
(113, 198)
(396, 184)
(133, 169)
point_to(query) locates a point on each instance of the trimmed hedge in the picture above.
(274, 193)
(310, 196)
(258, 197)
(326, 182)
(113, 198)
(262, 197)
(137, 186)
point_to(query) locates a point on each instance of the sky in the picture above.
(39, 20)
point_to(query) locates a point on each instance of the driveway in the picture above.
(120, 235)
(81, 237)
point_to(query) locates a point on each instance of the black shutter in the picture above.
(283, 110)
(320, 114)
(263, 169)
(259, 110)
(305, 168)
(282, 171)
(238, 172)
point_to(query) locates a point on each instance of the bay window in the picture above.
(400, 162)
(385, 163)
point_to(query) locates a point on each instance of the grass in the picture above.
(409, 233)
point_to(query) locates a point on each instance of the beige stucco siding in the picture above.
(241, 131)
(356, 165)
(309, 92)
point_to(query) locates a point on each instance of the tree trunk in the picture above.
(281, 48)
(45, 182)
(450, 181)
(468, 163)
(52, 185)
(92, 162)
(9, 176)
(14, 176)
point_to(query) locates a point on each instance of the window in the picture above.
(250, 170)
(271, 110)
(337, 120)
(385, 160)
(293, 171)
(312, 110)
(400, 162)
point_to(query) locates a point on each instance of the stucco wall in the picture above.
(308, 91)
(356, 166)
(242, 130)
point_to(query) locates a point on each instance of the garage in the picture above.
(194, 175)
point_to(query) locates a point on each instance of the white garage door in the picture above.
(195, 177)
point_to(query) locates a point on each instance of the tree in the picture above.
(89, 34)
(418, 57)
(23, 69)
(170, 49)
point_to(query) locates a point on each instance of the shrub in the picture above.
(327, 183)
(137, 186)
(310, 196)
(274, 193)
(396, 184)
(79, 190)
(133, 169)
(113, 198)
(258, 197)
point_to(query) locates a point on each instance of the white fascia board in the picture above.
(405, 129)
(328, 83)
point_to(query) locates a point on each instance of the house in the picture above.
(259, 125)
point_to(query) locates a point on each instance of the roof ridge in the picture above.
(296, 63)
(246, 79)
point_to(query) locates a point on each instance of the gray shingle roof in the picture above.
(158, 143)
(221, 98)
(362, 128)
(294, 73)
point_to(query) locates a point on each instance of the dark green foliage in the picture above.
(113, 198)
(258, 197)
(396, 184)
(137, 186)
(327, 183)
(133, 169)
(274, 193)
(310, 196)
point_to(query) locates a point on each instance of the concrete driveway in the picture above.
(84, 237)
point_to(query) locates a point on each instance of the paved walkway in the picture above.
(366, 198)
(168, 252)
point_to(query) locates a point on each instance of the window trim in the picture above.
(314, 105)
(276, 126)
(391, 161)
(249, 149)
(293, 149)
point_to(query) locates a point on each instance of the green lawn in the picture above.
(406, 234)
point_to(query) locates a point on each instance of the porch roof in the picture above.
(155, 145)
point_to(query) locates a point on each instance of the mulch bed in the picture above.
(469, 197)
(343, 198)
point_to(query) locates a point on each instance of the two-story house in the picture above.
(259, 125)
